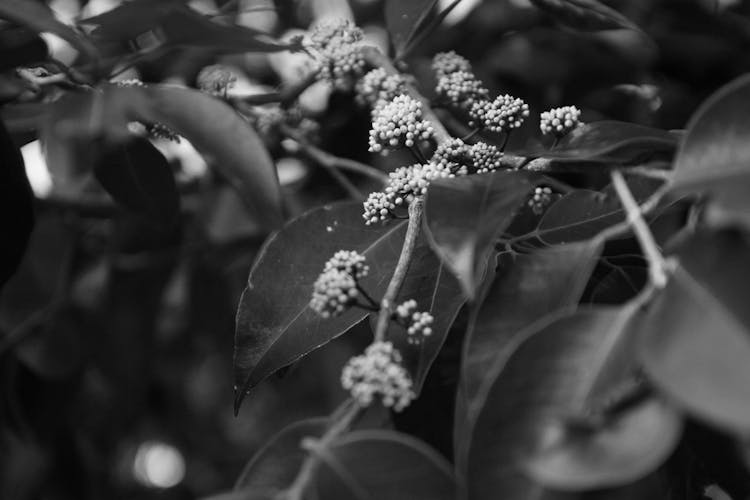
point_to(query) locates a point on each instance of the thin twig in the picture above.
(656, 264)
(399, 274)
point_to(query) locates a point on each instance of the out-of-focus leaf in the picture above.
(696, 341)
(585, 15)
(403, 18)
(729, 206)
(275, 466)
(383, 464)
(275, 325)
(464, 216)
(16, 206)
(20, 46)
(610, 144)
(549, 374)
(139, 177)
(174, 24)
(624, 450)
(38, 17)
(526, 287)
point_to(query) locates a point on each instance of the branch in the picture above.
(407, 250)
(656, 264)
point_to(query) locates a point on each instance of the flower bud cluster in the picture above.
(378, 207)
(398, 123)
(503, 114)
(455, 155)
(418, 324)
(161, 131)
(461, 89)
(215, 79)
(445, 63)
(377, 87)
(337, 45)
(540, 199)
(378, 373)
(407, 182)
(336, 290)
(559, 121)
(487, 157)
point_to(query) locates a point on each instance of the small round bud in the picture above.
(337, 46)
(131, 82)
(215, 79)
(559, 121)
(540, 199)
(454, 155)
(407, 182)
(418, 324)
(378, 207)
(350, 262)
(377, 87)
(336, 290)
(503, 114)
(378, 373)
(461, 89)
(398, 123)
(487, 157)
(161, 131)
(445, 63)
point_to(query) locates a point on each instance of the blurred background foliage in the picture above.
(116, 335)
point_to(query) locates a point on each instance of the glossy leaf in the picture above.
(585, 15)
(624, 450)
(383, 464)
(38, 17)
(550, 373)
(696, 342)
(275, 325)
(403, 18)
(16, 206)
(611, 143)
(526, 288)
(464, 216)
(275, 466)
(139, 177)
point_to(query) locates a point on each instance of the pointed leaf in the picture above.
(373, 464)
(139, 177)
(464, 216)
(624, 450)
(550, 373)
(585, 15)
(696, 342)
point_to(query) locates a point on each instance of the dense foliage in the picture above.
(520, 271)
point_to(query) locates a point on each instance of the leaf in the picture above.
(696, 342)
(40, 18)
(139, 177)
(275, 466)
(526, 287)
(371, 464)
(623, 451)
(464, 216)
(16, 206)
(550, 373)
(729, 206)
(20, 46)
(403, 18)
(610, 144)
(585, 15)
(275, 325)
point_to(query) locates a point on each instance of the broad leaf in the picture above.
(696, 342)
(526, 287)
(275, 466)
(622, 451)
(16, 206)
(275, 325)
(403, 18)
(464, 217)
(373, 464)
(40, 18)
(139, 177)
(20, 46)
(585, 15)
(549, 374)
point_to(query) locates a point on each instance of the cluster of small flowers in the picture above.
(378, 372)
(462, 89)
(445, 63)
(337, 43)
(455, 155)
(215, 79)
(377, 87)
(161, 131)
(540, 199)
(487, 157)
(407, 182)
(418, 323)
(131, 82)
(378, 207)
(398, 123)
(503, 114)
(559, 121)
(268, 118)
(335, 290)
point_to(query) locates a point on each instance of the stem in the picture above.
(656, 264)
(343, 421)
(399, 274)
(505, 141)
(367, 297)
